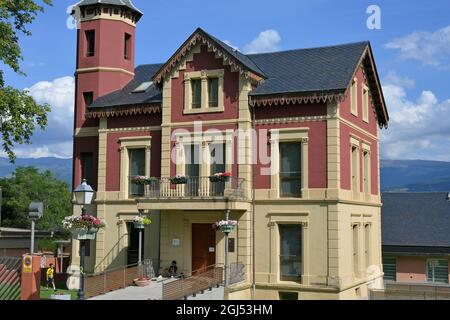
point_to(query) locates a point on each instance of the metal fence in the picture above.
(198, 282)
(117, 278)
(10, 278)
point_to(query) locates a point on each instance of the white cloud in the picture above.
(266, 41)
(418, 129)
(59, 94)
(56, 139)
(430, 48)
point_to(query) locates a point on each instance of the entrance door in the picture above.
(133, 244)
(203, 246)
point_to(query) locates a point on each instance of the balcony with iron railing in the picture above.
(194, 190)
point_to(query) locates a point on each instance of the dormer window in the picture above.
(204, 91)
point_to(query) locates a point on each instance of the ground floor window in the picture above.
(288, 295)
(290, 252)
(390, 268)
(437, 270)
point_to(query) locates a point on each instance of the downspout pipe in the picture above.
(253, 205)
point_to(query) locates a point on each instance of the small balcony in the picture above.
(164, 193)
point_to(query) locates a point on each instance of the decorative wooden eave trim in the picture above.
(189, 44)
(370, 71)
(264, 101)
(123, 111)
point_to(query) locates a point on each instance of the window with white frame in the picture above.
(437, 270)
(366, 171)
(290, 252)
(137, 168)
(365, 101)
(290, 169)
(204, 91)
(355, 168)
(354, 97)
(355, 248)
(367, 244)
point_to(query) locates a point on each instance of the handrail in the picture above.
(199, 281)
(196, 187)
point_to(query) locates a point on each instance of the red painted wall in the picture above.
(145, 120)
(317, 154)
(206, 61)
(302, 110)
(346, 131)
(85, 145)
(411, 269)
(113, 156)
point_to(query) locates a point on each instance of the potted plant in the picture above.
(84, 227)
(141, 221)
(143, 180)
(178, 180)
(226, 226)
(142, 281)
(220, 177)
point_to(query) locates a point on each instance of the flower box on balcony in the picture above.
(178, 180)
(143, 180)
(220, 177)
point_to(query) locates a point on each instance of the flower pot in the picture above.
(219, 179)
(84, 234)
(178, 180)
(138, 225)
(141, 282)
(226, 229)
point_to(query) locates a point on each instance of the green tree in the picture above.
(27, 185)
(19, 113)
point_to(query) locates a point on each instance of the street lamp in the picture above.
(35, 212)
(83, 196)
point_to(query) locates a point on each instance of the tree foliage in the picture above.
(19, 113)
(27, 185)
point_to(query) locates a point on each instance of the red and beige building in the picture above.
(298, 131)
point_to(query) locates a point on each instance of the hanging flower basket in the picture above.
(226, 226)
(83, 227)
(178, 180)
(84, 234)
(220, 177)
(140, 222)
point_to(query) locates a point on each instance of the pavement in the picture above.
(151, 292)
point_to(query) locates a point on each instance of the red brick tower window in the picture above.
(88, 98)
(127, 52)
(90, 43)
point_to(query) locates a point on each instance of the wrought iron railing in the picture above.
(200, 280)
(196, 187)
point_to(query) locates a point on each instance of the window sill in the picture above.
(203, 110)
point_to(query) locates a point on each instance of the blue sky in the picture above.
(412, 52)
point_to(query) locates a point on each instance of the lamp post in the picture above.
(227, 216)
(35, 212)
(83, 196)
(140, 242)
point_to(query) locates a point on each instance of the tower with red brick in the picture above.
(105, 63)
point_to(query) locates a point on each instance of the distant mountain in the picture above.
(396, 175)
(61, 168)
(415, 175)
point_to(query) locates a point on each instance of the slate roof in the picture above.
(324, 69)
(415, 220)
(124, 97)
(123, 3)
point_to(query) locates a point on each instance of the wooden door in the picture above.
(203, 246)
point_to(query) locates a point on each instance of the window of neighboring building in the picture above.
(288, 295)
(290, 169)
(437, 270)
(390, 268)
(90, 43)
(88, 98)
(367, 244)
(354, 97)
(365, 114)
(217, 165)
(87, 167)
(366, 171)
(355, 249)
(127, 52)
(137, 168)
(213, 92)
(355, 168)
(196, 93)
(290, 252)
